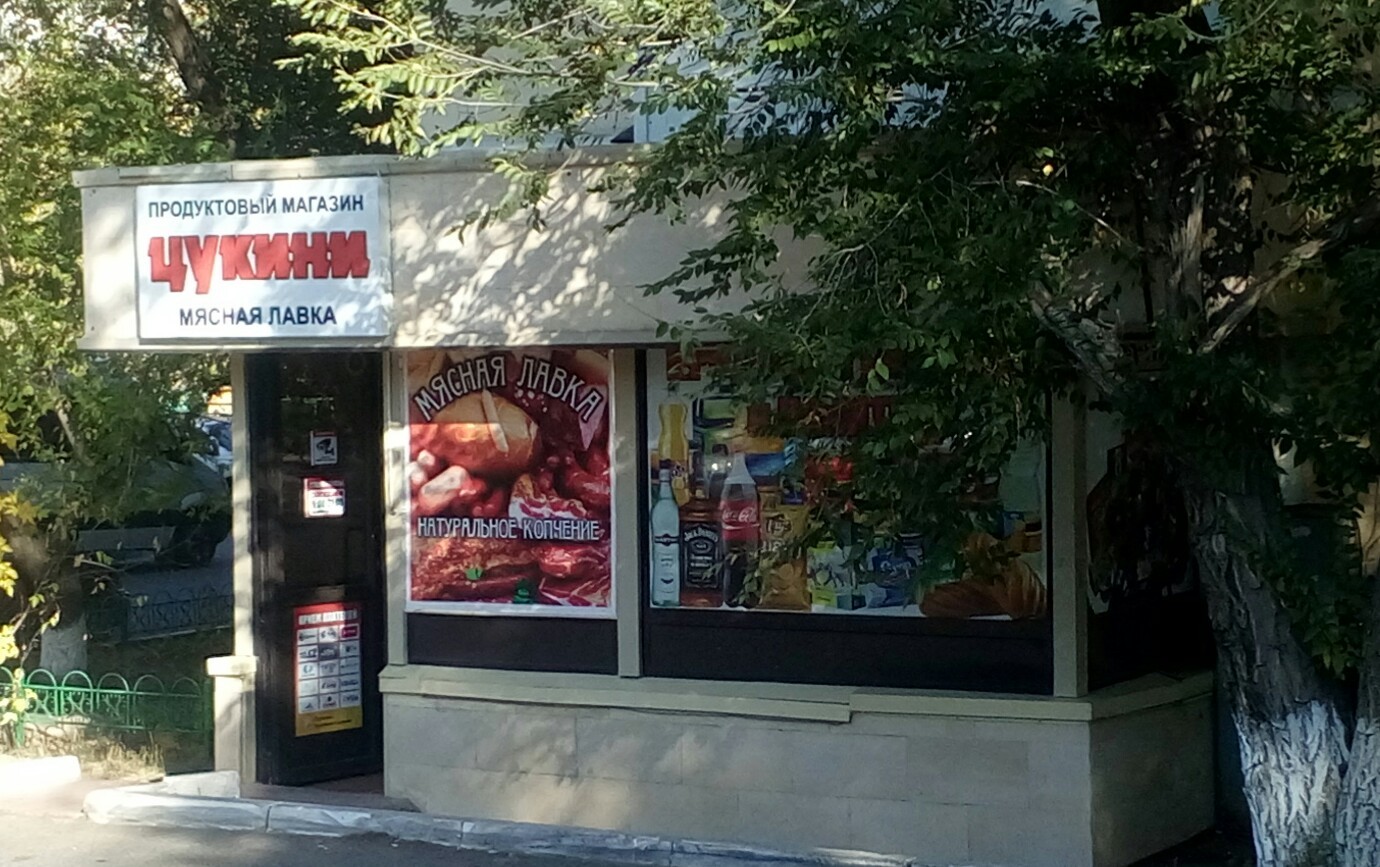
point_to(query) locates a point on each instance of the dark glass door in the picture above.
(316, 429)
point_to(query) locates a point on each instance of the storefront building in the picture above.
(491, 536)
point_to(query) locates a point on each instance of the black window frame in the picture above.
(853, 650)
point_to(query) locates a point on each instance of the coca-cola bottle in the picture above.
(739, 517)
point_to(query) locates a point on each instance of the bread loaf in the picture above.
(489, 436)
(1022, 593)
(962, 599)
(995, 584)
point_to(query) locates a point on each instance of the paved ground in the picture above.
(49, 831)
(47, 841)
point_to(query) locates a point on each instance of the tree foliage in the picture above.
(1009, 199)
(85, 84)
(79, 87)
(236, 63)
(1171, 208)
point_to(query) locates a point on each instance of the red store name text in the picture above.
(295, 256)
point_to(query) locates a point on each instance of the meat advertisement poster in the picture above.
(508, 482)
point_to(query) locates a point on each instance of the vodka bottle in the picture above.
(665, 542)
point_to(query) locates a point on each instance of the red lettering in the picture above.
(317, 255)
(349, 254)
(166, 264)
(202, 253)
(271, 257)
(234, 257)
(310, 253)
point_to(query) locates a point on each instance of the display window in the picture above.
(509, 483)
(1145, 605)
(734, 525)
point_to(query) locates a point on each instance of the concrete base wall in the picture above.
(942, 789)
(1153, 779)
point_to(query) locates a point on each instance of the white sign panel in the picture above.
(330, 687)
(323, 498)
(262, 259)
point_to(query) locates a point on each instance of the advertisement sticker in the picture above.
(733, 502)
(323, 498)
(508, 482)
(325, 449)
(326, 701)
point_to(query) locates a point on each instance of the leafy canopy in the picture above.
(1176, 203)
(80, 86)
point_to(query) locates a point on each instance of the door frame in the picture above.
(270, 618)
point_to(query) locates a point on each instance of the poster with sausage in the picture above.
(508, 481)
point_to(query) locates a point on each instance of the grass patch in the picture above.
(166, 658)
(131, 755)
(106, 755)
(102, 757)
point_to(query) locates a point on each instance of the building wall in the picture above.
(1153, 779)
(505, 285)
(942, 789)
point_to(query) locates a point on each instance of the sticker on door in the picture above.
(323, 498)
(325, 449)
(326, 701)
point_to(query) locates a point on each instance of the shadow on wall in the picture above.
(507, 284)
(512, 284)
(598, 768)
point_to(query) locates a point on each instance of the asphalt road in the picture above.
(51, 841)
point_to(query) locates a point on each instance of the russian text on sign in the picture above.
(298, 256)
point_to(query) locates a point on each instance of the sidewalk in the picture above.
(71, 841)
(88, 822)
(214, 801)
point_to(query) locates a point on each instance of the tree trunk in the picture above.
(1358, 820)
(1292, 734)
(62, 646)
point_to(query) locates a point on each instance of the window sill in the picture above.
(779, 701)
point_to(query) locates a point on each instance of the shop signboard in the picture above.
(329, 683)
(509, 483)
(262, 260)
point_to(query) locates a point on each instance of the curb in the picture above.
(208, 801)
(31, 776)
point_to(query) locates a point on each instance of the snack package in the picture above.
(784, 585)
(832, 582)
(766, 459)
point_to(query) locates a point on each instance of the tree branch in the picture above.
(1093, 343)
(1239, 296)
(193, 66)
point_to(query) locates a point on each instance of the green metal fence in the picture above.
(110, 703)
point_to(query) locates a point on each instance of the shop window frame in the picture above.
(500, 640)
(844, 650)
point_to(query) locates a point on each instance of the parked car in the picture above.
(177, 514)
(218, 448)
